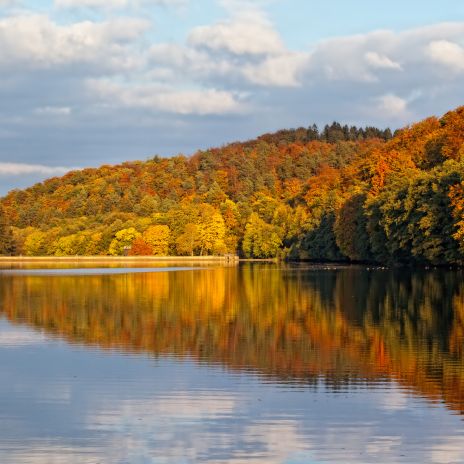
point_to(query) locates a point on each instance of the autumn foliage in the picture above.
(339, 194)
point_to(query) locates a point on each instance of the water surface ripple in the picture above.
(255, 363)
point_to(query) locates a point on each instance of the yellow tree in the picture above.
(123, 241)
(68, 245)
(188, 241)
(34, 245)
(231, 216)
(212, 231)
(157, 237)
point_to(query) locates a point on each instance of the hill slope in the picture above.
(344, 193)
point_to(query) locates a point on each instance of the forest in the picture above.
(337, 194)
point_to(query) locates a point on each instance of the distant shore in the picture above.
(128, 259)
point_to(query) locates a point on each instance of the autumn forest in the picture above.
(337, 194)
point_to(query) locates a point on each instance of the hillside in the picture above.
(342, 193)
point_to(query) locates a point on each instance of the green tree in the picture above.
(7, 244)
(350, 229)
(261, 240)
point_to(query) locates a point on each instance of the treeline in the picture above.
(289, 194)
(331, 134)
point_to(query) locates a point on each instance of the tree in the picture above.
(35, 243)
(456, 195)
(123, 241)
(189, 240)
(350, 229)
(7, 245)
(211, 232)
(342, 192)
(157, 238)
(261, 240)
(69, 245)
(140, 247)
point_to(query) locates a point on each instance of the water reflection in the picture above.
(294, 325)
(67, 404)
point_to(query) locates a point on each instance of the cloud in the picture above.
(18, 169)
(157, 98)
(392, 105)
(36, 42)
(91, 3)
(279, 71)
(378, 56)
(242, 50)
(381, 61)
(107, 90)
(447, 53)
(54, 110)
(115, 4)
(246, 34)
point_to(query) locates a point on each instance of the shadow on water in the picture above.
(289, 324)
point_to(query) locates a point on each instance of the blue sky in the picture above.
(87, 82)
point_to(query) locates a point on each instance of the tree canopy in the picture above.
(340, 193)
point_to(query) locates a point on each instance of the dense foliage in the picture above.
(342, 193)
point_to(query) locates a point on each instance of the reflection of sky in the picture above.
(68, 404)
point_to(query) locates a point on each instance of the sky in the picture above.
(91, 82)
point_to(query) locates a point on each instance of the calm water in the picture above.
(259, 364)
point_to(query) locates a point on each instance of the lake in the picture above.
(256, 363)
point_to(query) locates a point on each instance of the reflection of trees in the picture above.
(343, 325)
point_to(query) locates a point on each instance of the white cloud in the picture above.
(199, 63)
(392, 105)
(280, 71)
(381, 61)
(366, 57)
(447, 53)
(247, 34)
(35, 41)
(244, 49)
(165, 99)
(54, 110)
(17, 169)
(238, 65)
(114, 4)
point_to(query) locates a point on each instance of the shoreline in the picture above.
(223, 260)
(129, 259)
